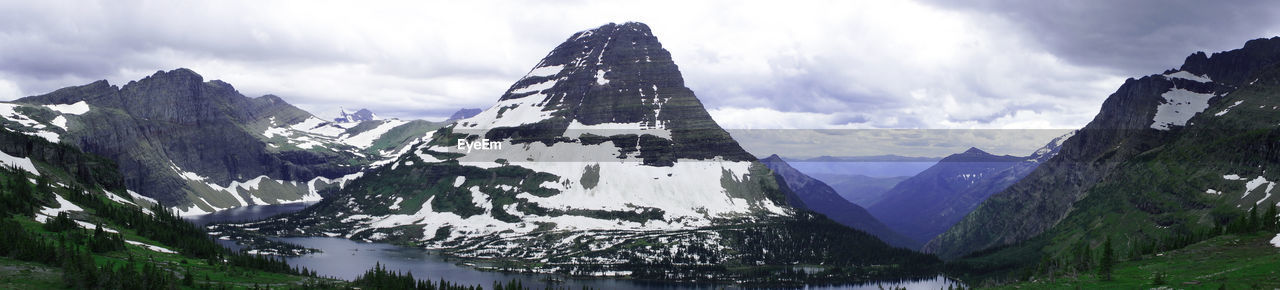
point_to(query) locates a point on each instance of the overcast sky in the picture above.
(755, 64)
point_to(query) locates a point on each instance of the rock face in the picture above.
(814, 195)
(599, 147)
(925, 205)
(200, 146)
(1144, 117)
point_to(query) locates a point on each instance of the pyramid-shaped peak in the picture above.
(614, 80)
(975, 150)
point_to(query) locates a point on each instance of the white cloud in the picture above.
(819, 64)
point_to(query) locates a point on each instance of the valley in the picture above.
(589, 159)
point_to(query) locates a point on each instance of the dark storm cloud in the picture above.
(1134, 37)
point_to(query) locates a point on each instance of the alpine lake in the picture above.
(345, 259)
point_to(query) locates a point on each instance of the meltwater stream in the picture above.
(346, 259)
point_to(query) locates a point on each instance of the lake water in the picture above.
(346, 259)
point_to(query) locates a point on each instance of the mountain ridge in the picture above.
(200, 146)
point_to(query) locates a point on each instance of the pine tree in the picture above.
(1269, 221)
(1108, 260)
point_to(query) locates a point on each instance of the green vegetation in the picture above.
(381, 278)
(1231, 261)
(1168, 195)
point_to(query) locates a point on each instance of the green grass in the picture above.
(1238, 262)
(16, 274)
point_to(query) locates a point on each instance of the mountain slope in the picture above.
(862, 190)
(67, 213)
(925, 205)
(817, 196)
(199, 146)
(598, 160)
(1169, 155)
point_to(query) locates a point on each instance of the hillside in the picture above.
(1141, 177)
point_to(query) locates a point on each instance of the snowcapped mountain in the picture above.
(598, 148)
(200, 146)
(928, 203)
(357, 117)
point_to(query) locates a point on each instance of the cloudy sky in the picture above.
(755, 64)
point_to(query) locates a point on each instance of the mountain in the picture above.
(69, 222)
(598, 160)
(816, 196)
(463, 114)
(1169, 159)
(928, 203)
(357, 117)
(865, 191)
(200, 146)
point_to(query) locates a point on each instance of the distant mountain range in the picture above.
(812, 194)
(928, 203)
(357, 117)
(463, 114)
(862, 190)
(873, 158)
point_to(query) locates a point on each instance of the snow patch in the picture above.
(63, 206)
(366, 138)
(1188, 76)
(1228, 109)
(150, 247)
(610, 129)
(1179, 106)
(21, 163)
(78, 108)
(515, 112)
(536, 87)
(60, 122)
(544, 71)
(600, 80)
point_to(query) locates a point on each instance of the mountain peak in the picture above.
(975, 150)
(614, 80)
(178, 73)
(612, 29)
(359, 116)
